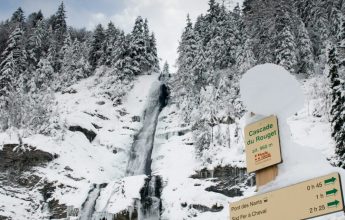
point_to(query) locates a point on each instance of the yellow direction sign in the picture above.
(304, 200)
(262, 144)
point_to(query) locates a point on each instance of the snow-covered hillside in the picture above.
(92, 129)
(190, 189)
(79, 162)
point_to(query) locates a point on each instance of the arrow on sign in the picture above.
(331, 192)
(331, 180)
(334, 203)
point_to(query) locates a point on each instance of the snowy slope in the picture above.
(174, 158)
(82, 163)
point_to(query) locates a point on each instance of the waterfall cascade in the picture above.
(88, 208)
(140, 161)
(149, 206)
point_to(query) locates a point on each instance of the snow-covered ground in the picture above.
(82, 163)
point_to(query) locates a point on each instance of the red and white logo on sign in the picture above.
(264, 156)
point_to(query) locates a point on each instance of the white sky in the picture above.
(167, 18)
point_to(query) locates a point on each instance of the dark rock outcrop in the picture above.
(14, 158)
(57, 210)
(125, 215)
(96, 126)
(97, 115)
(69, 91)
(100, 102)
(226, 190)
(229, 181)
(17, 175)
(202, 208)
(136, 118)
(90, 135)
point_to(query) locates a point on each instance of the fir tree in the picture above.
(67, 63)
(245, 57)
(96, 47)
(187, 50)
(111, 36)
(305, 51)
(151, 54)
(35, 46)
(138, 47)
(166, 69)
(34, 18)
(124, 61)
(60, 26)
(285, 44)
(13, 66)
(337, 102)
(18, 17)
(42, 76)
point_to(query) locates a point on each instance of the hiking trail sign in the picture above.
(262, 144)
(312, 198)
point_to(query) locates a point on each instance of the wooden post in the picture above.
(265, 175)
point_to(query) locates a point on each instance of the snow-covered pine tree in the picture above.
(35, 44)
(52, 54)
(111, 36)
(185, 80)
(147, 62)
(245, 58)
(152, 54)
(165, 70)
(285, 43)
(187, 51)
(63, 78)
(13, 72)
(305, 51)
(341, 39)
(231, 36)
(212, 38)
(260, 28)
(124, 61)
(337, 111)
(81, 66)
(18, 17)
(59, 25)
(138, 47)
(320, 29)
(96, 46)
(34, 18)
(42, 76)
(119, 48)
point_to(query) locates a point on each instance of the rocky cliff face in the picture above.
(230, 181)
(20, 181)
(16, 159)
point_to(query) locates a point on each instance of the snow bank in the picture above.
(270, 89)
(120, 195)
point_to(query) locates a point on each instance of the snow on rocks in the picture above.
(174, 159)
(82, 163)
(120, 195)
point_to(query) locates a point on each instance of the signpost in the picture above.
(312, 198)
(262, 144)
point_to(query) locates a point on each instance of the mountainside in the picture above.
(91, 129)
(68, 166)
